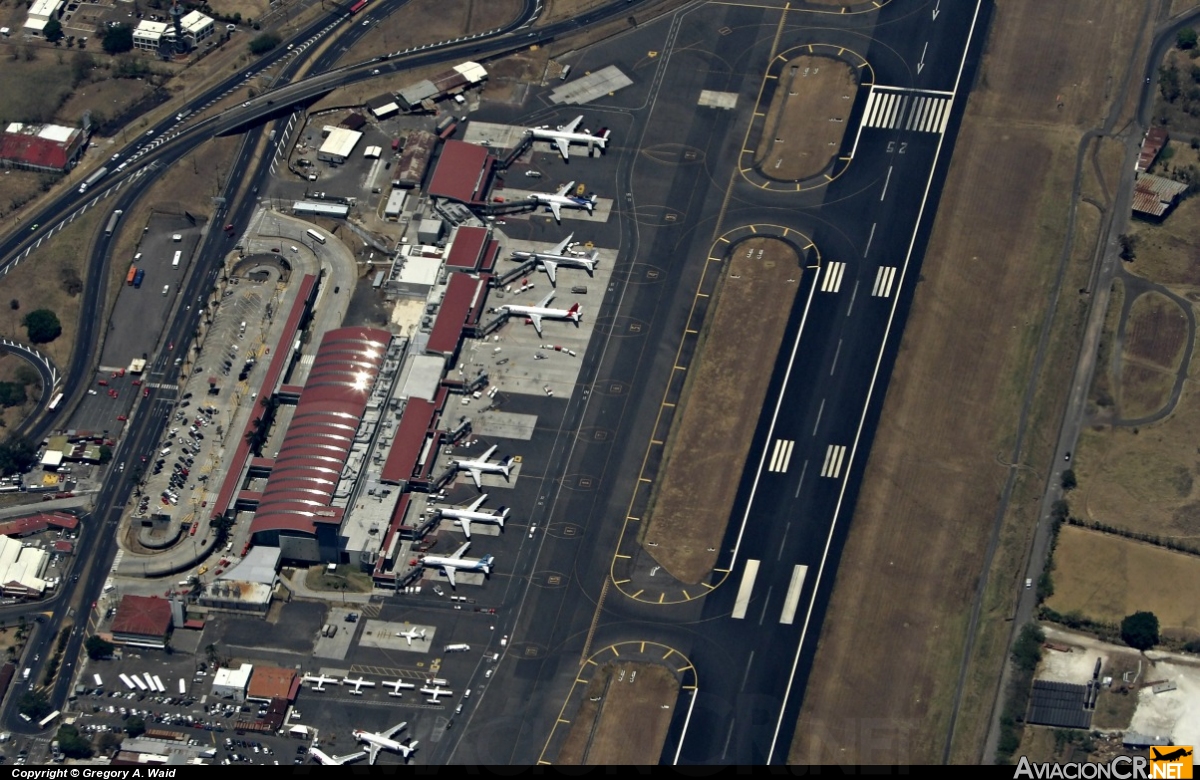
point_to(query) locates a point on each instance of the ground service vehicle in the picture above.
(137, 279)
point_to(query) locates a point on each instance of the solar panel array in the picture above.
(1059, 704)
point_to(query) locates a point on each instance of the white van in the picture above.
(166, 289)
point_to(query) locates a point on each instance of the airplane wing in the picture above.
(546, 301)
(476, 475)
(465, 524)
(550, 266)
(450, 575)
(565, 189)
(562, 245)
(374, 751)
(556, 210)
(459, 552)
(537, 325)
(477, 503)
(563, 147)
(489, 452)
(339, 760)
(569, 127)
(394, 730)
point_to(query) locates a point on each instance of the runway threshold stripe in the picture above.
(742, 602)
(945, 118)
(870, 106)
(792, 599)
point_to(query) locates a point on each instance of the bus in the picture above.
(55, 401)
(175, 261)
(361, 4)
(315, 236)
(46, 721)
(132, 274)
(112, 222)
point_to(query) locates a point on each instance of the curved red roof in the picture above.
(318, 441)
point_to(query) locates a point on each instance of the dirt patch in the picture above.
(628, 721)
(807, 118)
(18, 188)
(1103, 385)
(714, 427)
(1156, 331)
(953, 403)
(350, 581)
(1144, 390)
(1105, 577)
(249, 9)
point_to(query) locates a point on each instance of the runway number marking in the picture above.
(833, 461)
(792, 599)
(782, 455)
(742, 602)
(832, 281)
(883, 281)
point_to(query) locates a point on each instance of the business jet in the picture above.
(480, 466)
(452, 563)
(561, 255)
(396, 685)
(435, 693)
(385, 741)
(556, 200)
(358, 685)
(325, 759)
(464, 518)
(413, 633)
(537, 313)
(565, 135)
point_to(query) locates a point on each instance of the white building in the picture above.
(148, 35)
(41, 12)
(230, 683)
(338, 145)
(196, 27)
(21, 569)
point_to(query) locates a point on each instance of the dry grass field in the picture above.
(1169, 253)
(807, 118)
(1105, 577)
(928, 504)
(17, 188)
(1156, 332)
(249, 9)
(53, 80)
(629, 724)
(718, 410)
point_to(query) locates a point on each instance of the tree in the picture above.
(1027, 650)
(1068, 480)
(11, 394)
(135, 726)
(98, 648)
(262, 44)
(42, 326)
(105, 453)
(34, 705)
(1140, 630)
(72, 743)
(1184, 39)
(53, 31)
(17, 455)
(14, 304)
(118, 39)
(107, 742)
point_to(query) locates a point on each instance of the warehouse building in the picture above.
(21, 569)
(338, 145)
(230, 683)
(142, 621)
(52, 148)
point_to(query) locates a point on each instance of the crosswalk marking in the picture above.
(782, 455)
(832, 281)
(833, 461)
(792, 599)
(918, 110)
(742, 602)
(883, 281)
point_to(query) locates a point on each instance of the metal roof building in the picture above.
(40, 147)
(473, 249)
(142, 620)
(463, 173)
(464, 293)
(339, 145)
(383, 105)
(1154, 196)
(411, 438)
(414, 159)
(295, 510)
(332, 210)
(1059, 704)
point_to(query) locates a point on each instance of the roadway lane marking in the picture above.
(832, 281)
(742, 602)
(833, 461)
(883, 281)
(792, 599)
(782, 455)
